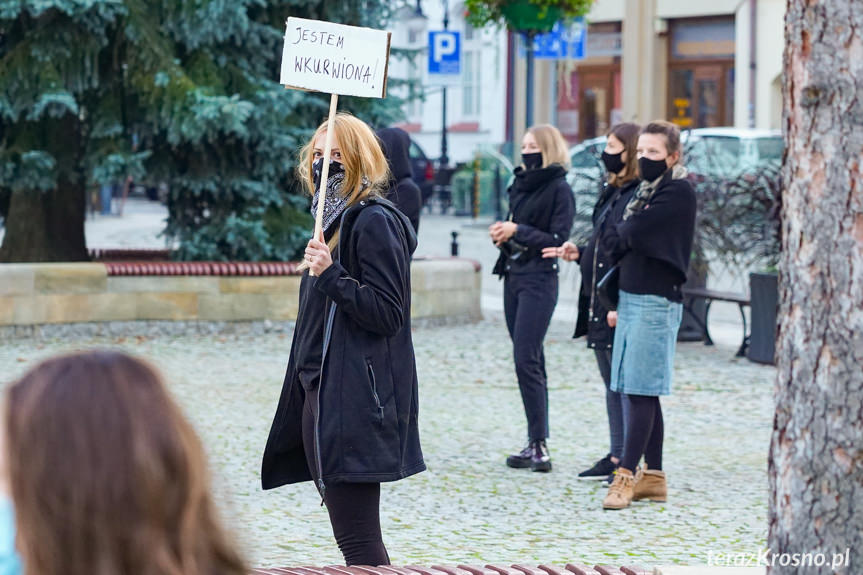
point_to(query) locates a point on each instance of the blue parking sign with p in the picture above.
(444, 54)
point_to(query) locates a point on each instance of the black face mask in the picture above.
(318, 166)
(532, 161)
(613, 162)
(651, 169)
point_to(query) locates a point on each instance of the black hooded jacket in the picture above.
(594, 263)
(367, 428)
(404, 192)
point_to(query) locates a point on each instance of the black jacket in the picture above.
(592, 315)
(543, 206)
(403, 192)
(367, 429)
(654, 246)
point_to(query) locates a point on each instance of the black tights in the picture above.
(354, 508)
(643, 431)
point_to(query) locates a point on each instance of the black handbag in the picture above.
(607, 289)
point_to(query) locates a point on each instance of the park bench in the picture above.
(693, 294)
(491, 569)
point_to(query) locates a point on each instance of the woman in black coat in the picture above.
(403, 192)
(542, 208)
(652, 244)
(347, 415)
(621, 163)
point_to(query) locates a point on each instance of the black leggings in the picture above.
(354, 508)
(643, 431)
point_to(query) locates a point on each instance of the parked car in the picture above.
(586, 178)
(708, 153)
(423, 170)
(731, 152)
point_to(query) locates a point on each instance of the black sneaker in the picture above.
(601, 470)
(520, 460)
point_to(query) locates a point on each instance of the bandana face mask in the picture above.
(334, 202)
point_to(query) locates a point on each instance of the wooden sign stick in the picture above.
(325, 169)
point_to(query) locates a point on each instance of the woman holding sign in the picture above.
(541, 210)
(347, 415)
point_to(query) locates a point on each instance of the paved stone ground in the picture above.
(468, 507)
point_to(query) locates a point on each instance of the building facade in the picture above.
(476, 106)
(698, 63)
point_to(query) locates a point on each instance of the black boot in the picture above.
(521, 460)
(534, 455)
(540, 460)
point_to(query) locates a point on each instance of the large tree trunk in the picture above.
(816, 453)
(46, 226)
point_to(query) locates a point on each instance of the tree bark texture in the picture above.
(46, 226)
(816, 452)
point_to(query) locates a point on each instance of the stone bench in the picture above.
(443, 291)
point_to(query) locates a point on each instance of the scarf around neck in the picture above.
(645, 191)
(335, 201)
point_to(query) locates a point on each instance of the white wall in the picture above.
(769, 46)
(693, 8)
(607, 11)
(491, 116)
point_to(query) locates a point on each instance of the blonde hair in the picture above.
(552, 145)
(362, 156)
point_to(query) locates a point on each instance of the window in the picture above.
(469, 32)
(471, 83)
(770, 148)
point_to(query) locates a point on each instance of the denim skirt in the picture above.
(644, 342)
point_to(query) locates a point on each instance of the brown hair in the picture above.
(627, 133)
(106, 474)
(551, 144)
(667, 129)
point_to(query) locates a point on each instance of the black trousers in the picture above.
(613, 403)
(354, 508)
(528, 303)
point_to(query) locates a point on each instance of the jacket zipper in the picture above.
(374, 384)
(328, 327)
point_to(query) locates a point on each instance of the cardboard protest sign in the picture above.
(335, 58)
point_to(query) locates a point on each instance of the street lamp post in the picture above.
(528, 116)
(444, 159)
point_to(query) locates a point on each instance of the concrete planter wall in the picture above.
(38, 294)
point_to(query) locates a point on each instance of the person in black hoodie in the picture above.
(347, 417)
(621, 165)
(542, 208)
(403, 192)
(652, 244)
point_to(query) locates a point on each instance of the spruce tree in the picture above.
(185, 92)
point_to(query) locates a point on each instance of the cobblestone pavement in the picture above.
(468, 507)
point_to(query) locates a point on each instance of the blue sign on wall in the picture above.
(563, 42)
(444, 54)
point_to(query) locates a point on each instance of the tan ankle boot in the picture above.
(620, 492)
(650, 484)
